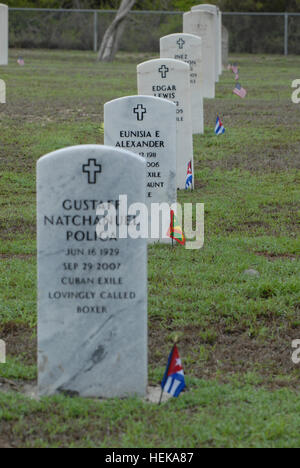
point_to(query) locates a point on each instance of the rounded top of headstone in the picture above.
(197, 14)
(2, 5)
(183, 35)
(141, 97)
(206, 6)
(91, 150)
(178, 64)
(199, 11)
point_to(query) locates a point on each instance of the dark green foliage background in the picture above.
(225, 5)
(250, 34)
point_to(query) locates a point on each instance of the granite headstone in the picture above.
(170, 79)
(3, 34)
(220, 21)
(225, 47)
(92, 290)
(217, 36)
(146, 125)
(202, 24)
(188, 48)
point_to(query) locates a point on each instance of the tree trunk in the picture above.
(110, 42)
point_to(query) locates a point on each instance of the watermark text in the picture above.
(296, 353)
(2, 92)
(2, 352)
(296, 93)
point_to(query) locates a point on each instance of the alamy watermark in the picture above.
(2, 92)
(296, 353)
(296, 93)
(139, 221)
(2, 352)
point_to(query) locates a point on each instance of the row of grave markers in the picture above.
(92, 292)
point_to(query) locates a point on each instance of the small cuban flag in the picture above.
(189, 177)
(220, 129)
(173, 381)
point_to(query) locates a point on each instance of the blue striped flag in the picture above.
(220, 129)
(189, 177)
(173, 381)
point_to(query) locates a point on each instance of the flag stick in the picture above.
(172, 228)
(161, 395)
(162, 390)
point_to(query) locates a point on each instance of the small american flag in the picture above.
(21, 62)
(239, 91)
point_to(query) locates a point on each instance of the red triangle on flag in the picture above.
(175, 364)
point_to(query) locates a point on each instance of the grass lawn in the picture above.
(235, 330)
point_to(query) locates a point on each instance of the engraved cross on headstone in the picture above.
(163, 70)
(92, 169)
(140, 110)
(180, 43)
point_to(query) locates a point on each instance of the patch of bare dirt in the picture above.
(19, 256)
(272, 257)
(5, 443)
(231, 353)
(7, 230)
(269, 160)
(20, 342)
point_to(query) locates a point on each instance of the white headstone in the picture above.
(188, 48)
(170, 79)
(217, 22)
(225, 47)
(92, 292)
(146, 125)
(201, 23)
(3, 34)
(220, 41)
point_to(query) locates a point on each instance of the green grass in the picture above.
(235, 331)
(209, 415)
